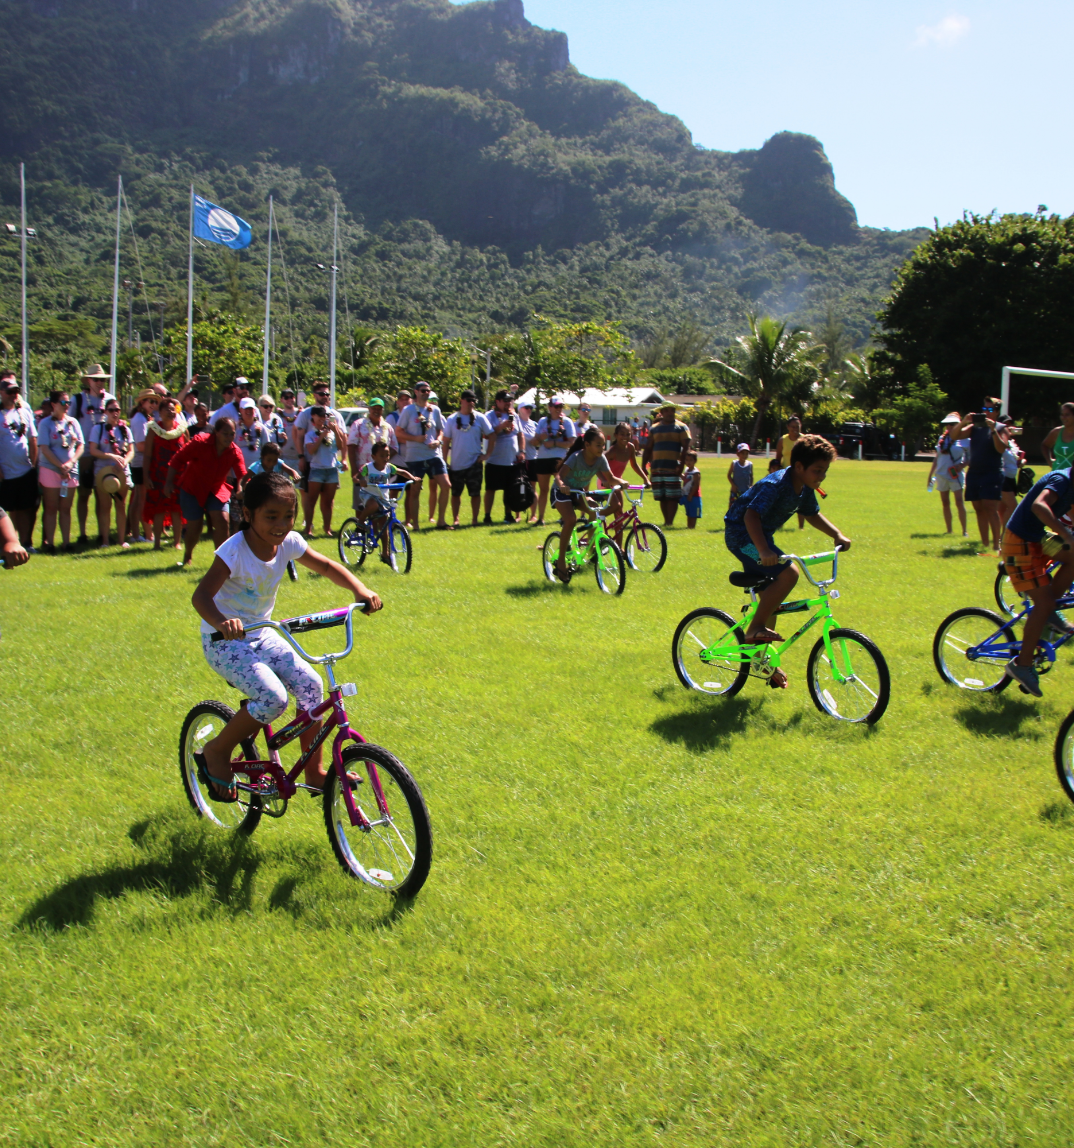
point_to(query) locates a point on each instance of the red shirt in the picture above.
(203, 471)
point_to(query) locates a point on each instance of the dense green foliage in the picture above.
(985, 293)
(651, 919)
(483, 180)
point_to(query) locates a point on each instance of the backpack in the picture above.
(1026, 478)
(519, 496)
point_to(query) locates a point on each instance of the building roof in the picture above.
(693, 400)
(640, 397)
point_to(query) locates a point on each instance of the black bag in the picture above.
(1026, 478)
(519, 496)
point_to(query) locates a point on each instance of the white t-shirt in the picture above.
(250, 440)
(89, 410)
(330, 414)
(529, 429)
(504, 446)
(229, 411)
(60, 437)
(325, 454)
(467, 441)
(288, 451)
(1009, 461)
(563, 434)
(410, 423)
(17, 430)
(112, 440)
(138, 421)
(249, 593)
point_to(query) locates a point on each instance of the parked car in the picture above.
(351, 414)
(849, 438)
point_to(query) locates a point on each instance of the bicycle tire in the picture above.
(400, 550)
(369, 852)
(292, 570)
(1064, 755)
(549, 555)
(646, 548)
(609, 565)
(984, 675)
(693, 631)
(240, 816)
(848, 700)
(1008, 600)
(349, 543)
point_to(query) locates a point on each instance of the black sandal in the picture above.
(214, 784)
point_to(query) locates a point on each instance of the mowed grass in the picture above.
(651, 918)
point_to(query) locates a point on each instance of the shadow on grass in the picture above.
(1001, 716)
(966, 550)
(151, 571)
(1057, 813)
(185, 856)
(533, 589)
(709, 725)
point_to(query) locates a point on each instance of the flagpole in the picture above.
(115, 287)
(190, 297)
(25, 340)
(268, 298)
(332, 331)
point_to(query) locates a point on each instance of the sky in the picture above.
(925, 109)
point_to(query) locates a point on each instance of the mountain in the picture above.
(482, 178)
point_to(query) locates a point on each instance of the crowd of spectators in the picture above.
(158, 470)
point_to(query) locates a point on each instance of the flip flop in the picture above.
(763, 637)
(564, 578)
(773, 684)
(353, 778)
(214, 783)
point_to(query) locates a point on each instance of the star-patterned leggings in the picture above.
(265, 668)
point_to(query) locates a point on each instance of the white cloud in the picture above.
(948, 31)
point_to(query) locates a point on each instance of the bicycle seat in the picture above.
(749, 581)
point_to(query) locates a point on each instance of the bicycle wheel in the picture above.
(1064, 755)
(549, 554)
(723, 674)
(646, 548)
(610, 567)
(351, 543)
(961, 631)
(292, 570)
(853, 683)
(201, 725)
(400, 552)
(396, 851)
(1007, 598)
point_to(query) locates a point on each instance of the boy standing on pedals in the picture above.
(1027, 550)
(756, 515)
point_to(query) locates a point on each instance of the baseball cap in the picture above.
(666, 406)
(742, 446)
(951, 419)
(242, 381)
(375, 401)
(555, 402)
(469, 396)
(287, 393)
(247, 404)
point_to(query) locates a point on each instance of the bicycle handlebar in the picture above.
(326, 620)
(807, 560)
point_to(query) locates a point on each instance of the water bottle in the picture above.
(63, 487)
(932, 484)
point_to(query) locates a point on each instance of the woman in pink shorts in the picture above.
(60, 445)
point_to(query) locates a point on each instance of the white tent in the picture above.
(608, 407)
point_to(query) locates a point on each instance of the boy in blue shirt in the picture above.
(1027, 550)
(759, 512)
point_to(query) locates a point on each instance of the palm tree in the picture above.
(779, 365)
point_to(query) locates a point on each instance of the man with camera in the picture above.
(984, 475)
(420, 431)
(507, 454)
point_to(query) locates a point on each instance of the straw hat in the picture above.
(110, 480)
(148, 393)
(98, 372)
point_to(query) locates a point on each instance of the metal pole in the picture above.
(268, 297)
(190, 296)
(115, 287)
(25, 340)
(332, 326)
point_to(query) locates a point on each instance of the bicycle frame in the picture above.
(994, 646)
(626, 518)
(284, 782)
(762, 653)
(580, 552)
(387, 512)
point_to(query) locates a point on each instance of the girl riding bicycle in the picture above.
(239, 590)
(578, 471)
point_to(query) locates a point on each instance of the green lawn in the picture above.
(651, 918)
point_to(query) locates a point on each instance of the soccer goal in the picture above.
(1005, 386)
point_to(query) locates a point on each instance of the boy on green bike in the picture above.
(577, 471)
(756, 515)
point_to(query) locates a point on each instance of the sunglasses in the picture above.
(111, 410)
(62, 403)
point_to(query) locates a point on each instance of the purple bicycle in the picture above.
(377, 821)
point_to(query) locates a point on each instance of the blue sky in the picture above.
(925, 109)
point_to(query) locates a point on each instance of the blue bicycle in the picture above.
(973, 646)
(383, 531)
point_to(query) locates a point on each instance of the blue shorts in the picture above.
(751, 560)
(426, 466)
(692, 505)
(325, 475)
(193, 511)
(984, 487)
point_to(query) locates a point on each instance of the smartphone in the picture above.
(980, 421)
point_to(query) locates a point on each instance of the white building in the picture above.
(619, 404)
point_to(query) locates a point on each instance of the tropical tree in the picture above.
(408, 354)
(913, 414)
(776, 366)
(224, 348)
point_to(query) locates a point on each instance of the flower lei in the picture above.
(157, 429)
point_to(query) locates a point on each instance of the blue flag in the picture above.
(219, 226)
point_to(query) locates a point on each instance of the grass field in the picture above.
(651, 918)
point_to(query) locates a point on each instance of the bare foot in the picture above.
(764, 635)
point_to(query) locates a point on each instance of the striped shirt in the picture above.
(667, 441)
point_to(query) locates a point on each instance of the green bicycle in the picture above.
(847, 676)
(589, 543)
